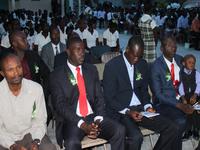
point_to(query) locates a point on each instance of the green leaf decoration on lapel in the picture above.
(36, 68)
(72, 79)
(168, 75)
(34, 111)
(138, 75)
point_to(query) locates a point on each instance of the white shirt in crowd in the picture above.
(31, 41)
(63, 36)
(109, 16)
(182, 22)
(22, 114)
(160, 20)
(79, 33)
(111, 37)
(101, 14)
(5, 42)
(146, 17)
(40, 40)
(90, 38)
(90, 111)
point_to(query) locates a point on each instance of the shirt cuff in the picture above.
(197, 92)
(80, 123)
(147, 106)
(98, 118)
(123, 111)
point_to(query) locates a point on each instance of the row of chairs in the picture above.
(88, 143)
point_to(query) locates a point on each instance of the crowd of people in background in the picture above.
(40, 42)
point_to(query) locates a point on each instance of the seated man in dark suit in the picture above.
(165, 80)
(125, 84)
(78, 99)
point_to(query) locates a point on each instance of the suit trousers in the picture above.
(159, 124)
(27, 140)
(177, 116)
(110, 130)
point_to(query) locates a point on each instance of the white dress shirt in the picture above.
(22, 114)
(111, 38)
(90, 111)
(54, 48)
(134, 99)
(176, 68)
(40, 40)
(90, 37)
(79, 33)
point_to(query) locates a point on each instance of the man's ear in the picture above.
(183, 63)
(2, 74)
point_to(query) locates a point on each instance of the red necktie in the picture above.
(172, 72)
(82, 94)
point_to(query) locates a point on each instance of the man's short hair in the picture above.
(5, 54)
(136, 40)
(165, 38)
(73, 39)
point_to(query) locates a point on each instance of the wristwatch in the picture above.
(37, 141)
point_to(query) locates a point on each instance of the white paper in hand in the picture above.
(196, 106)
(149, 114)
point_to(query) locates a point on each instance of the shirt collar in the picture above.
(55, 45)
(72, 67)
(187, 71)
(168, 62)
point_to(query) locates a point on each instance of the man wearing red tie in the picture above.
(164, 83)
(78, 101)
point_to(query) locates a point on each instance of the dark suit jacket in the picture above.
(117, 86)
(162, 89)
(65, 95)
(48, 56)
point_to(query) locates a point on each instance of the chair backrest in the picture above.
(97, 51)
(100, 69)
(108, 56)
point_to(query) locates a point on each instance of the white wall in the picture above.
(32, 5)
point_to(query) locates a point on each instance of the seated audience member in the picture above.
(82, 25)
(78, 100)
(53, 48)
(61, 58)
(90, 35)
(165, 79)
(126, 95)
(189, 91)
(195, 32)
(42, 38)
(33, 66)
(22, 109)
(111, 37)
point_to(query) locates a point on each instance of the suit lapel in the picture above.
(51, 53)
(70, 85)
(124, 69)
